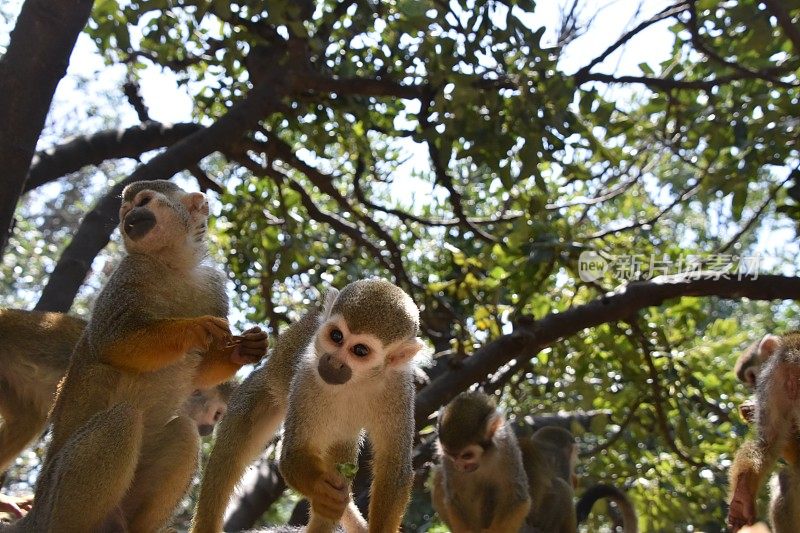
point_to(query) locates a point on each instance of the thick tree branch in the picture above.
(35, 61)
(528, 339)
(93, 149)
(96, 228)
(260, 489)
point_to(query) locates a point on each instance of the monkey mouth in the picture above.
(205, 429)
(470, 468)
(138, 222)
(333, 371)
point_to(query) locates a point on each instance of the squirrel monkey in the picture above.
(35, 348)
(480, 484)
(559, 445)
(488, 480)
(157, 332)
(749, 467)
(777, 408)
(339, 370)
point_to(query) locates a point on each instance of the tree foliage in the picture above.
(443, 145)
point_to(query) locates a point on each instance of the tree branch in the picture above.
(98, 225)
(529, 338)
(79, 152)
(33, 65)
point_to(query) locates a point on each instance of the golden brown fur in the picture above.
(158, 330)
(328, 396)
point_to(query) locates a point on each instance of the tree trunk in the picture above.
(36, 60)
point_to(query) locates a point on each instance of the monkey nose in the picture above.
(138, 222)
(333, 370)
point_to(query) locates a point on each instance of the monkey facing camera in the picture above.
(357, 349)
(489, 481)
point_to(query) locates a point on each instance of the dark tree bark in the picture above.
(78, 152)
(532, 336)
(259, 493)
(36, 60)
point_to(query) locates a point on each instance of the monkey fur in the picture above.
(777, 409)
(770, 367)
(481, 483)
(158, 331)
(35, 348)
(338, 371)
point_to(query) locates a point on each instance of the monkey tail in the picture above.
(630, 523)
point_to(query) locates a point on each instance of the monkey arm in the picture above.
(441, 503)
(222, 361)
(747, 473)
(255, 411)
(392, 471)
(162, 342)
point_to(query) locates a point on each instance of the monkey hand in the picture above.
(251, 347)
(742, 512)
(210, 329)
(330, 495)
(16, 507)
(747, 410)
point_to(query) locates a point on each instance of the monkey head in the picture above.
(466, 428)
(158, 216)
(207, 407)
(368, 328)
(748, 365)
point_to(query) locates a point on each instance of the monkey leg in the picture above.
(249, 424)
(22, 423)
(83, 483)
(167, 464)
(784, 506)
(391, 483)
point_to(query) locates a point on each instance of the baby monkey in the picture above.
(777, 414)
(337, 372)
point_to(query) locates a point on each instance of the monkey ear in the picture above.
(404, 352)
(330, 298)
(196, 201)
(493, 422)
(768, 346)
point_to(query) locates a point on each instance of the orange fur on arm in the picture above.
(156, 345)
(216, 366)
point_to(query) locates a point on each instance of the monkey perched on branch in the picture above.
(35, 348)
(157, 332)
(340, 370)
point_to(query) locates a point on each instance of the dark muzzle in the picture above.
(138, 222)
(333, 371)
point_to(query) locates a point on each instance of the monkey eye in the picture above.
(144, 201)
(360, 350)
(468, 456)
(337, 336)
